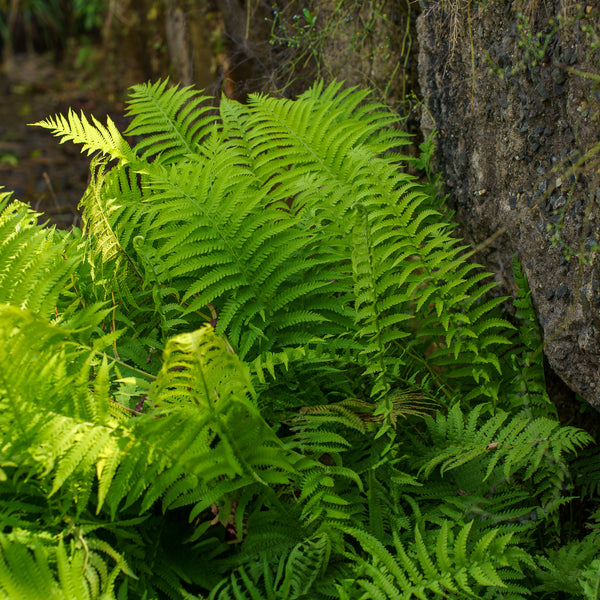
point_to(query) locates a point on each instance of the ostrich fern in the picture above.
(265, 369)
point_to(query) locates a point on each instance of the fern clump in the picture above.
(265, 368)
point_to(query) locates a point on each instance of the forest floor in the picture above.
(50, 176)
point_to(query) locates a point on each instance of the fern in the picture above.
(457, 565)
(571, 569)
(520, 444)
(527, 358)
(93, 136)
(265, 368)
(36, 263)
(485, 460)
(82, 573)
(172, 122)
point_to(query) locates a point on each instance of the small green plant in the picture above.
(314, 46)
(266, 369)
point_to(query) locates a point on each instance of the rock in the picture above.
(562, 291)
(478, 120)
(559, 76)
(542, 91)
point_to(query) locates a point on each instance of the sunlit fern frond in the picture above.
(85, 571)
(203, 427)
(92, 135)
(36, 262)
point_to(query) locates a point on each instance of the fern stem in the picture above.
(441, 385)
(113, 327)
(125, 408)
(127, 365)
(76, 291)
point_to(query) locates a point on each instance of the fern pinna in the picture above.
(265, 369)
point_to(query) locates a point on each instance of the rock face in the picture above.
(513, 90)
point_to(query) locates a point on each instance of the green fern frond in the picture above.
(77, 573)
(457, 565)
(171, 121)
(93, 136)
(199, 399)
(503, 445)
(590, 580)
(36, 262)
(111, 198)
(568, 569)
(300, 572)
(529, 382)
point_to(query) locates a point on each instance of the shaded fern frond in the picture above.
(566, 569)
(510, 444)
(298, 574)
(450, 562)
(529, 382)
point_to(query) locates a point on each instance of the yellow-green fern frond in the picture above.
(84, 571)
(93, 136)
(36, 262)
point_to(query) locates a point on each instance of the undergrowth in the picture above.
(264, 369)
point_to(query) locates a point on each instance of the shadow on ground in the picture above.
(50, 176)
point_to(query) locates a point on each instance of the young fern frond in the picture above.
(206, 428)
(93, 136)
(109, 199)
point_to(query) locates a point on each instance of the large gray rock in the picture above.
(518, 146)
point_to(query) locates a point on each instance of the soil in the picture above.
(50, 176)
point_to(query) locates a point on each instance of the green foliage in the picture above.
(265, 369)
(572, 569)
(48, 23)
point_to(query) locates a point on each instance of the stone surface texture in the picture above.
(512, 88)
